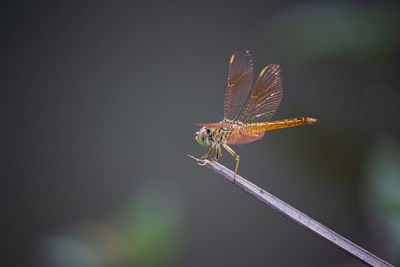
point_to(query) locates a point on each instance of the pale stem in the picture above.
(296, 216)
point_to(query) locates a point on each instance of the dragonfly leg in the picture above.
(208, 153)
(218, 154)
(236, 156)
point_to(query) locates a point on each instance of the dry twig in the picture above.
(297, 216)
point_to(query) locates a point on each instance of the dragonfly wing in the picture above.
(244, 136)
(240, 78)
(215, 124)
(266, 96)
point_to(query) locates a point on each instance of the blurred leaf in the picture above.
(150, 227)
(146, 232)
(340, 31)
(382, 189)
(70, 252)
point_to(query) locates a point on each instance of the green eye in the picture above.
(201, 141)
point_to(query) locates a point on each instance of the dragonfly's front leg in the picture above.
(236, 156)
(218, 154)
(208, 153)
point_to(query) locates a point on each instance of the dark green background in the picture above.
(100, 101)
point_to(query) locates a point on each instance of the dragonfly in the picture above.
(245, 122)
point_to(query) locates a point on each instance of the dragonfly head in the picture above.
(202, 136)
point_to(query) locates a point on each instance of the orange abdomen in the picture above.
(279, 124)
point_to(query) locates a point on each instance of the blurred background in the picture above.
(100, 102)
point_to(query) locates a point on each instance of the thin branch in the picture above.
(297, 216)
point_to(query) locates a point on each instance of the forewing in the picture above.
(215, 124)
(266, 96)
(240, 78)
